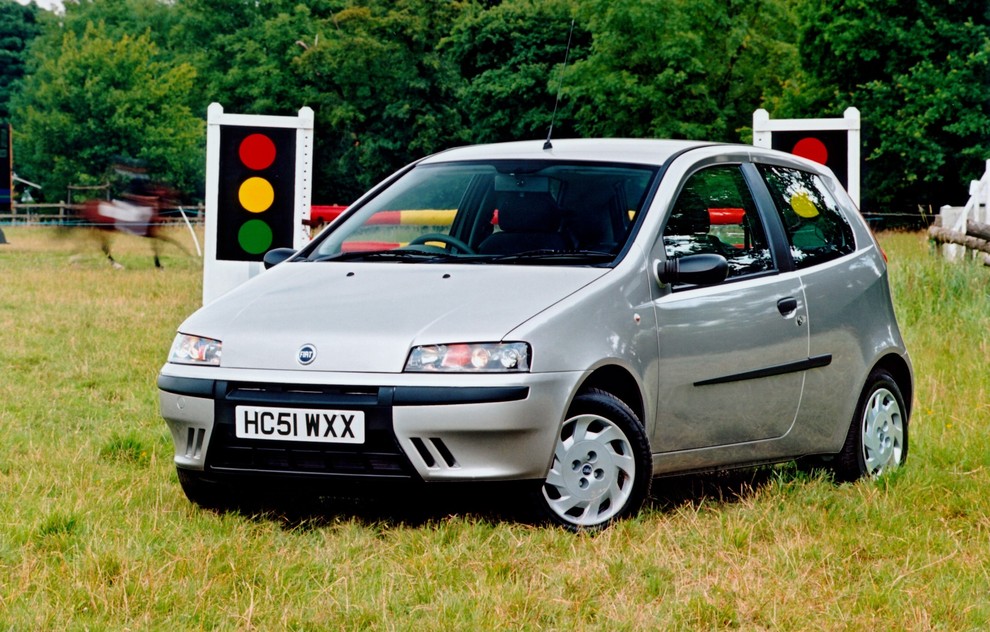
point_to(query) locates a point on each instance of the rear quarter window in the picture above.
(815, 226)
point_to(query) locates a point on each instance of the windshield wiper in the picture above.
(388, 255)
(536, 256)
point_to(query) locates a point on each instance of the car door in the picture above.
(732, 355)
(846, 293)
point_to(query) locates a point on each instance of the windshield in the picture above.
(503, 211)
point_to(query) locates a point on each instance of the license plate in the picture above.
(299, 424)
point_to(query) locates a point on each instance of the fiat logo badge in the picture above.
(306, 355)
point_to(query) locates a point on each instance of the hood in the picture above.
(365, 317)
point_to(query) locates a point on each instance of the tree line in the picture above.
(393, 80)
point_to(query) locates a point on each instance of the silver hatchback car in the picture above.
(585, 316)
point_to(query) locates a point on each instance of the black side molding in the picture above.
(779, 369)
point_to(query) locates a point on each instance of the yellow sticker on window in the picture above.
(803, 206)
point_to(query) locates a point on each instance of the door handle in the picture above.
(787, 305)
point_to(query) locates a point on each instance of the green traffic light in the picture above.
(255, 236)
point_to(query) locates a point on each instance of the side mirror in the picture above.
(707, 269)
(277, 256)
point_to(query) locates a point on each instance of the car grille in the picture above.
(378, 456)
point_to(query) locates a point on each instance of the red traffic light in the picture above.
(257, 151)
(811, 148)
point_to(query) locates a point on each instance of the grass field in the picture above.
(95, 533)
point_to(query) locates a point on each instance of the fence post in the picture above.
(977, 209)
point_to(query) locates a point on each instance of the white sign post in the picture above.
(764, 127)
(223, 273)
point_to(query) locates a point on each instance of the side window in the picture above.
(815, 227)
(715, 213)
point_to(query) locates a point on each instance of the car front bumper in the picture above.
(430, 427)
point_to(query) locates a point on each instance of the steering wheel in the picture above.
(448, 241)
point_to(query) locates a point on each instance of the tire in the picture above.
(877, 441)
(601, 469)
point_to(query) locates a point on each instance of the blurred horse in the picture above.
(136, 213)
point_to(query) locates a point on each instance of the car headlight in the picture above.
(483, 357)
(188, 349)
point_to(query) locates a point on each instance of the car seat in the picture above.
(526, 222)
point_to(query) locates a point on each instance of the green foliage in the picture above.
(919, 73)
(18, 26)
(260, 73)
(508, 59)
(120, 18)
(679, 68)
(243, 52)
(380, 90)
(391, 81)
(99, 97)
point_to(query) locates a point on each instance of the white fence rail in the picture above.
(955, 229)
(979, 200)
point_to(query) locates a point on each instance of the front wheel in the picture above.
(601, 469)
(877, 441)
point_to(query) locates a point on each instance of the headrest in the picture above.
(690, 216)
(528, 213)
(590, 207)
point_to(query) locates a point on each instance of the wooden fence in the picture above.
(63, 214)
(965, 231)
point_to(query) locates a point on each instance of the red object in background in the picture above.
(367, 246)
(324, 213)
(723, 216)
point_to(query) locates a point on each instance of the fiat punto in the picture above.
(585, 316)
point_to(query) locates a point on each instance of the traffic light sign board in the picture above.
(256, 191)
(833, 142)
(827, 147)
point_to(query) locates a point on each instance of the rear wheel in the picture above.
(877, 441)
(601, 469)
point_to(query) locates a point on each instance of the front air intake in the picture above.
(434, 453)
(194, 443)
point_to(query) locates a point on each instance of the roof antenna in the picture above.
(560, 85)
